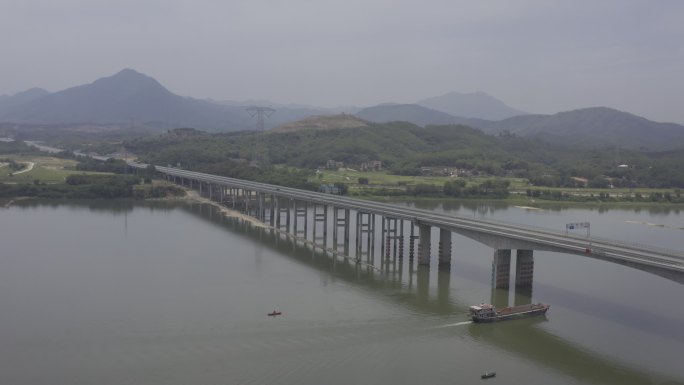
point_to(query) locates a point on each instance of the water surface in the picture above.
(116, 293)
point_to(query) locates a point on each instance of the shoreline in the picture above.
(537, 203)
(192, 195)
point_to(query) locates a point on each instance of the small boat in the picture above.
(275, 313)
(485, 312)
(488, 375)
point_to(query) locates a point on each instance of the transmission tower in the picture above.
(260, 113)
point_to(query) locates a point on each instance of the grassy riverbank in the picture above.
(46, 177)
(381, 186)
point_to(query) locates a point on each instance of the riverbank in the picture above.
(193, 196)
(523, 201)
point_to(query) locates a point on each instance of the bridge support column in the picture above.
(321, 217)
(401, 239)
(347, 223)
(389, 238)
(263, 207)
(288, 215)
(368, 228)
(412, 241)
(306, 220)
(298, 213)
(384, 239)
(283, 208)
(424, 240)
(325, 225)
(272, 210)
(524, 268)
(336, 222)
(444, 249)
(501, 268)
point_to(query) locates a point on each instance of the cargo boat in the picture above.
(488, 313)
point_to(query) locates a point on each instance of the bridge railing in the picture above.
(614, 242)
(592, 238)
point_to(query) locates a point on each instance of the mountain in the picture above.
(7, 103)
(595, 126)
(323, 122)
(130, 97)
(413, 113)
(477, 105)
(125, 97)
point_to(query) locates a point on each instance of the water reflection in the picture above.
(113, 206)
(418, 299)
(481, 209)
(526, 338)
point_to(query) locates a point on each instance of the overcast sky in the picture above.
(539, 56)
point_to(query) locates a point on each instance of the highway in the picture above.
(614, 250)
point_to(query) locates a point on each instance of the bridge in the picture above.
(291, 210)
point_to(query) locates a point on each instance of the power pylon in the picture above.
(260, 113)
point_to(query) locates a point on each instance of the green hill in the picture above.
(404, 148)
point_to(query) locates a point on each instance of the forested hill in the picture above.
(594, 126)
(404, 148)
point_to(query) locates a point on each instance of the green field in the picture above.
(518, 186)
(384, 180)
(45, 170)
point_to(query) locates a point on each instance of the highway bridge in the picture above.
(291, 210)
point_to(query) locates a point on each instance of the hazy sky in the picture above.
(539, 56)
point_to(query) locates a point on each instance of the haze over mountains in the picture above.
(130, 98)
(476, 105)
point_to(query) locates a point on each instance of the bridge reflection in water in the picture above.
(365, 230)
(291, 218)
(526, 338)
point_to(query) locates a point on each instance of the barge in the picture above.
(488, 313)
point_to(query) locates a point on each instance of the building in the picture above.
(372, 165)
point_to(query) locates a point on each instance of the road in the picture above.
(619, 251)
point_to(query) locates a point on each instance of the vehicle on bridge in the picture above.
(488, 313)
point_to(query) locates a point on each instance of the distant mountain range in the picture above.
(476, 105)
(130, 98)
(596, 126)
(593, 126)
(416, 114)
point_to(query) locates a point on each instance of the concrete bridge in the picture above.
(292, 210)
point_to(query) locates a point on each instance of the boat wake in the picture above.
(455, 324)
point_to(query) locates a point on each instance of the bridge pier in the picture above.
(300, 212)
(524, 268)
(401, 239)
(412, 241)
(271, 210)
(424, 232)
(444, 249)
(390, 237)
(343, 223)
(366, 228)
(501, 268)
(321, 217)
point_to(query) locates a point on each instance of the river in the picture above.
(160, 293)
